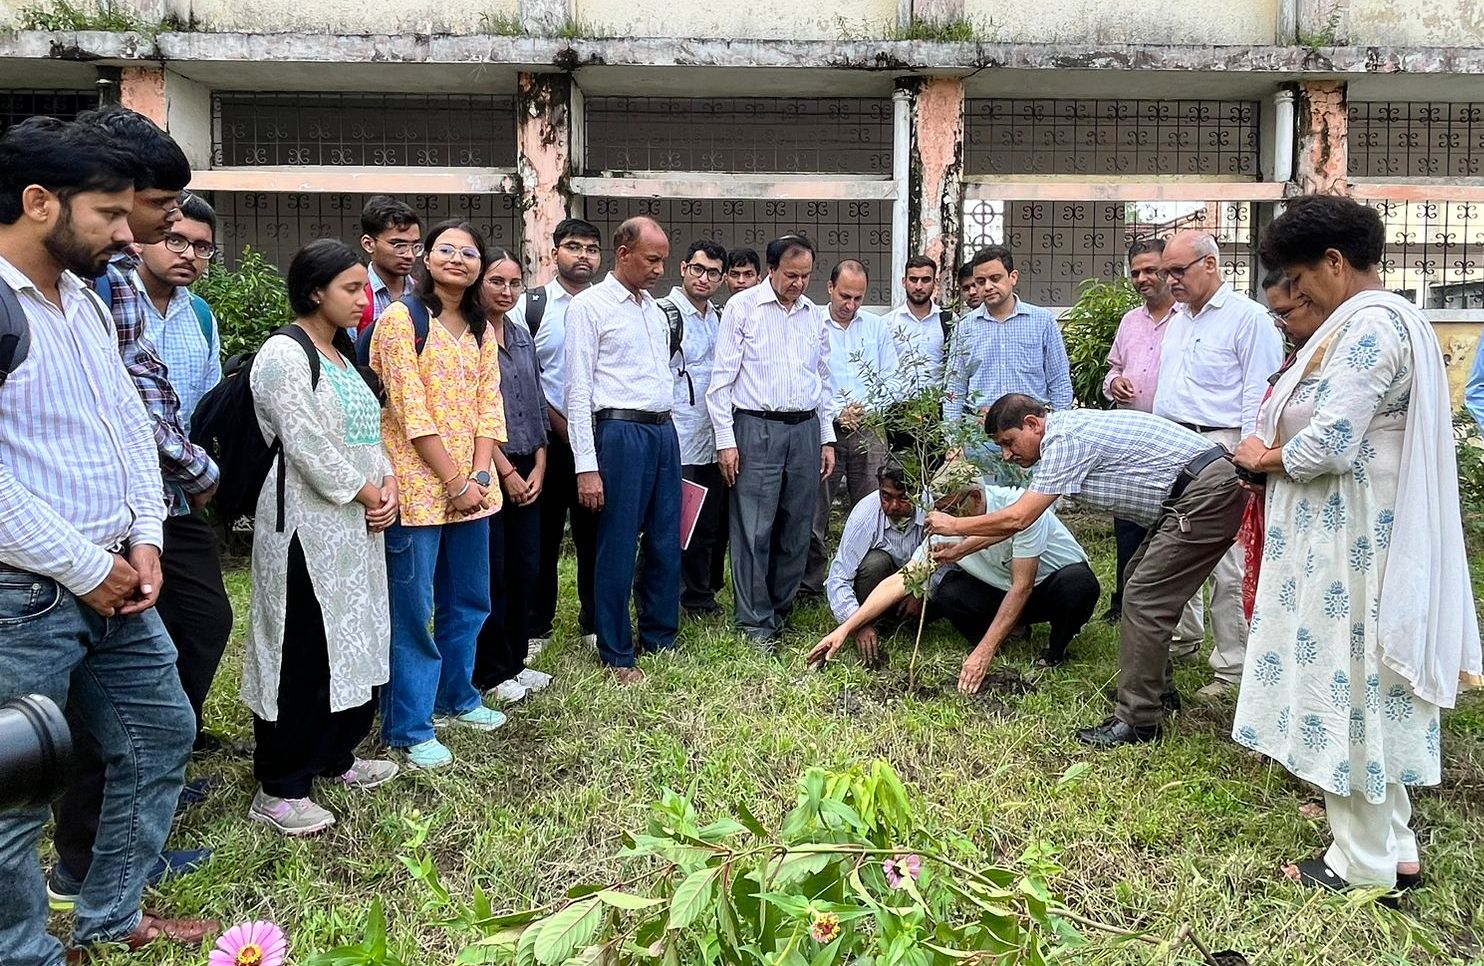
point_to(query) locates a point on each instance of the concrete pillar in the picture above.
(188, 118)
(544, 161)
(142, 89)
(1323, 151)
(937, 196)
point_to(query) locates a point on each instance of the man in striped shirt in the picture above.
(771, 406)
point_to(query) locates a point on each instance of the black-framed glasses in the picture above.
(577, 248)
(178, 244)
(1178, 273)
(403, 249)
(467, 253)
(701, 271)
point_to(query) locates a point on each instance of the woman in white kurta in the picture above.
(1360, 630)
(320, 630)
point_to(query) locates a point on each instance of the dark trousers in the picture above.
(1065, 600)
(875, 566)
(308, 740)
(1127, 536)
(703, 565)
(515, 557)
(859, 453)
(197, 613)
(640, 467)
(558, 502)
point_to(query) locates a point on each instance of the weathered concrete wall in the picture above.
(1323, 151)
(344, 16)
(819, 20)
(937, 170)
(1460, 340)
(1453, 22)
(142, 89)
(543, 119)
(8, 15)
(1125, 21)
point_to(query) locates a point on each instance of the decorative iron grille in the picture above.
(1111, 137)
(278, 225)
(422, 130)
(838, 230)
(1415, 139)
(1057, 245)
(758, 134)
(17, 105)
(1434, 252)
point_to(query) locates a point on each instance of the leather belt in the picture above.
(791, 416)
(1196, 427)
(632, 416)
(1194, 469)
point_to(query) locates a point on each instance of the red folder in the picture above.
(692, 495)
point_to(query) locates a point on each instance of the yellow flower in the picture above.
(825, 928)
(250, 955)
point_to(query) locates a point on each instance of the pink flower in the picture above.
(901, 869)
(825, 928)
(258, 943)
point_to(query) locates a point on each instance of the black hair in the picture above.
(62, 157)
(708, 248)
(892, 472)
(575, 228)
(314, 267)
(849, 265)
(195, 208)
(1314, 224)
(159, 163)
(1009, 412)
(965, 272)
(472, 303)
(494, 256)
(1146, 246)
(738, 257)
(920, 261)
(994, 253)
(781, 248)
(383, 213)
(1275, 278)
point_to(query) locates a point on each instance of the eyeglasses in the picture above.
(1280, 319)
(511, 285)
(701, 271)
(577, 248)
(1178, 273)
(404, 249)
(178, 244)
(450, 251)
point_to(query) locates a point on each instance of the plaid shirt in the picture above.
(1025, 353)
(186, 468)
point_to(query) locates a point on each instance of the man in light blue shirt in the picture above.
(1473, 393)
(391, 237)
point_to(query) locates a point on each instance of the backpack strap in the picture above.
(15, 332)
(535, 308)
(421, 320)
(276, 450)
(203, 316)
(945, 319)
(677, 335)
(103, 285)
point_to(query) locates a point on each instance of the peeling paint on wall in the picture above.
(142, 89)
(1323, 155)
(543, 160)
(937, 171)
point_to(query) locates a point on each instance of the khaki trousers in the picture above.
(1228, 622)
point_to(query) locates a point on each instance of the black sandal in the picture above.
(1407, 881)
(1316, 874)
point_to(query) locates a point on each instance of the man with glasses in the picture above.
(703, 564)
(391, 236)
(1214, 366)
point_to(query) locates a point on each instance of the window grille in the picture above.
(1415, 139)
(17, 105)
(1434, 252)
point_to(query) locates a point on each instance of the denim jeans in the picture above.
(119, 674)
(439, 574)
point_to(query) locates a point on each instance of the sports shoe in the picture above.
(508, 691)
(532, 680)
(1217, 690)
(591, 640)
(62, 886)
(293, 817)
(479, 718)
(428, 755)
(534, 646)
(368, 773)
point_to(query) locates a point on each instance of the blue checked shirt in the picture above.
(193, 359)
(1025, 354)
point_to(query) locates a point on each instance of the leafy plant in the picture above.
(250, 301)
(1470, 445)
(958, 29)
(1088, 328)
(370, 951)
(500, 24)
(1326, 36)
(105, 15)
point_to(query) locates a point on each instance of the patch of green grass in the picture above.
(104, 15)
(576, 28)
(943, 30)
(500, 24)
(1190, 830)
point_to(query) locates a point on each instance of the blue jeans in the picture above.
(119, 674)
(640, 466)
(439, 574)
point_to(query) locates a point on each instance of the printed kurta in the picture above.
(1315, 695)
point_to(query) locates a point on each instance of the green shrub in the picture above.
(1089, 327)
(1470, 470)
(250, 301)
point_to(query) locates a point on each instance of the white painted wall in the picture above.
(816, 20)
(1126, 21)
(1441, 23)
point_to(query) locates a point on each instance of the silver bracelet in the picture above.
(467, 484)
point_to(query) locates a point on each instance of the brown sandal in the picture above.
(153, 928)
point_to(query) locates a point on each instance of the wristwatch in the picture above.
(481, 479)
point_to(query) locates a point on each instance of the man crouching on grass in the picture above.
(1039, 575)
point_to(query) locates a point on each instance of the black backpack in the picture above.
(535, 308)
(15, 329)
(421, 322)
(677, 336)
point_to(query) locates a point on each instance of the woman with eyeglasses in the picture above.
(520, 465)
(444, 422)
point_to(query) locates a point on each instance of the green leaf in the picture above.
(478, 955)
(750, 821)
(829, 952)
(1074, 774)
(789, 905)
(587, 956)
(525, 947)
(567, 929)
(691, 896)
(794, 866)
(627, 900)
(518, 918)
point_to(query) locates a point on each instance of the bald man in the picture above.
(1214, 366)
(627, 456)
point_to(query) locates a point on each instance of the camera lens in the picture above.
(35, 751)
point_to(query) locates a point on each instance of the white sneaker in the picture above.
(591, 640)
(509, 692)
(532, 680)
(534, 646)
(368, 773)
(292, 816)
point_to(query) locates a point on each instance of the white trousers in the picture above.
(1228, 623)
(1370, 840)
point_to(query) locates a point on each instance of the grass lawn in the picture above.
(1190, 830)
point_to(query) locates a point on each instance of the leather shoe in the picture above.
(152, 928)
(1114, 733)
(627, 675)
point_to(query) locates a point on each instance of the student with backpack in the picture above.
(318, 641)
(391, 237)
(444, 418)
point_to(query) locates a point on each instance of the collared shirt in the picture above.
(989, 358)
(1121, 461)
(1135, 355)
(551, 342)
(1047, 539)
(698, 345)
(79, 469)
(381, 296)
(868, 528)
(1216, 362)
(526, 422)
(863, 360)
(772, 359)
(919, 345)
(193, 359)
(182, 462)
(618, 357)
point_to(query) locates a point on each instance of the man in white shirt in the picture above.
(619, 393)
(863, 374)
(576, 253)
(881, 534)
(703, 564)
(773, 411)
(1214, 366)
(919, 327)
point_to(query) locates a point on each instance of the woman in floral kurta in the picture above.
(1321, 691)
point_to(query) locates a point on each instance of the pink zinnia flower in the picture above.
(825, 928)
(901, 869)
(258, 943)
